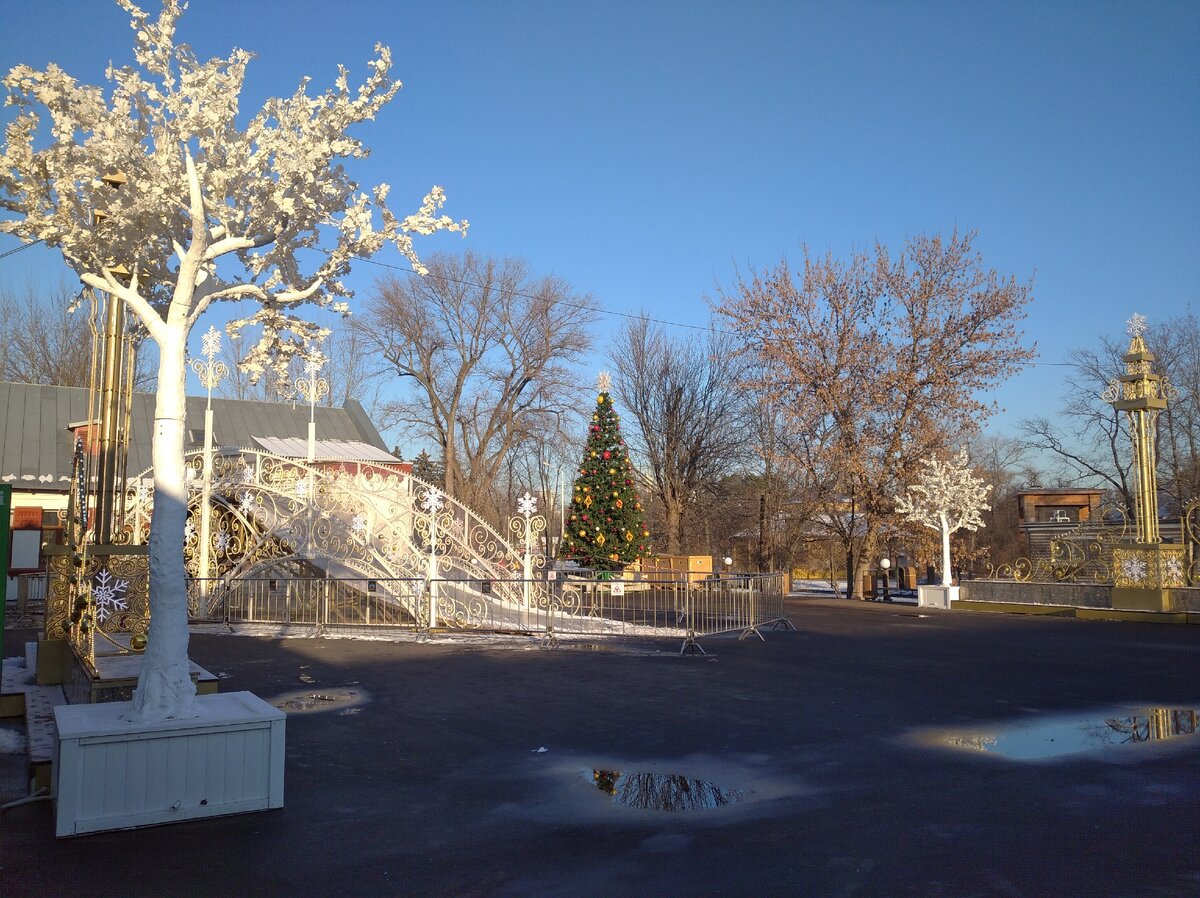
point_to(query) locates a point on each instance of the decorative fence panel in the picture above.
(546, 607)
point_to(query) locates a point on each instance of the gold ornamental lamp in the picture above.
(1144, 568)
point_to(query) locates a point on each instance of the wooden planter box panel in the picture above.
(113, 774)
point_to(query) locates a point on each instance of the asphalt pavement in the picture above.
(468, 768)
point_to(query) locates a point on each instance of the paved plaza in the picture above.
(430, 778)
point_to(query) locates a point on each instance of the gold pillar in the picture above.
(1144, 569)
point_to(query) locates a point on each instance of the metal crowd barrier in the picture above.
(563, 606)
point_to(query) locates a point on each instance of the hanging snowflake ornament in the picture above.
(359, 524)
(110, 594)
(221, 541)
(1136, 325)
(527, 505)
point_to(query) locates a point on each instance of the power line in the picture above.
(562, 302)
(17, 249)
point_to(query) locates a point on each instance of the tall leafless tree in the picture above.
(879, 361)
(1087, 442)
(485, 350)
(690, 423)
(348, 371)
(48, 337)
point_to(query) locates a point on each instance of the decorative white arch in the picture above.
(276, 517)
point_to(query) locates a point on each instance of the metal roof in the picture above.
(324, 450)
(36, 447)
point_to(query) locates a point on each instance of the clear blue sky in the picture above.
(643, 150)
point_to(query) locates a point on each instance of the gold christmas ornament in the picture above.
(137, 642)
(600, 539)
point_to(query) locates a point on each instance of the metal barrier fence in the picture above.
(27, 600)
(549, 607)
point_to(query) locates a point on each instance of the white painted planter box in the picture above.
(113, 774)
(936, 596)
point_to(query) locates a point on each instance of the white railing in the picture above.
(742, 604)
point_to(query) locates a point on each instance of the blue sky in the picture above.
(644, 150)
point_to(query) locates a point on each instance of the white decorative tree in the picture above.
(946, 497)
(212, 208)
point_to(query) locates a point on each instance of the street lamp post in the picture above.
(884, 565)
(211, 371)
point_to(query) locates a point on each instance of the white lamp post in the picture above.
(211, 371)
(528, 525)
(884, 565)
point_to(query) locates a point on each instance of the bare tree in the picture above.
(486, 350)
(1088, 440)
(689, 415)
(1005, 464)
(879, 362)
(349, 372)
(48, 338)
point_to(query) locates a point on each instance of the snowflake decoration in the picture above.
(1173, 568)
(1136, 325)
(527, 505)
(249, 504)
(221, 541)
(189, 532)
(246, 475)
(301, 488)
(109, 594)
(359, 524)
(431, 502)
(1133, 568)
(314, 363)
(210, 343)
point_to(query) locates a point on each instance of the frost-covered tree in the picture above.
(215, 206)
(946, 497)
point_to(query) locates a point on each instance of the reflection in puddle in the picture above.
(663, 791)
(1067, 734)
(326, 700)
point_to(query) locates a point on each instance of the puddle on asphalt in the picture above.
(663, 791)
(310, 701)
(1058, 735)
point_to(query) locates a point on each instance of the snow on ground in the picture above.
(12, 742)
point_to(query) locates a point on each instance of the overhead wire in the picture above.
(630, 316)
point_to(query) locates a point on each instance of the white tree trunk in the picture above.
(947, 580)
(165, 689)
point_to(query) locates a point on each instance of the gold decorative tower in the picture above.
(1144, 568)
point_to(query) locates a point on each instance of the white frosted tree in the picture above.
(946, 497)
(215, 207)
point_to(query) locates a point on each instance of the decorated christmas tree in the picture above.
(605, 526)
